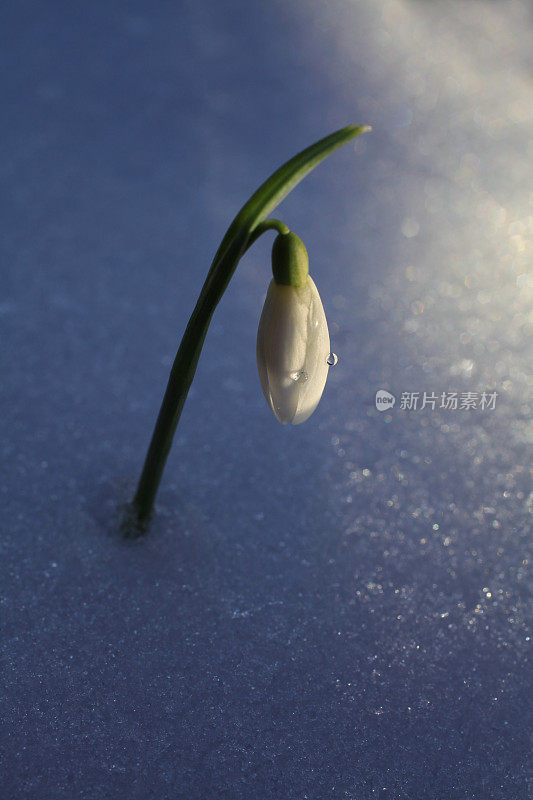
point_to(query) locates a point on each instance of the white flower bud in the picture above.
(292, 350)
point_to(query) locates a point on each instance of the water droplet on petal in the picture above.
(299, 375)
(332, 359)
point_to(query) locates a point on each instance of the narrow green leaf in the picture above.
(281, 183)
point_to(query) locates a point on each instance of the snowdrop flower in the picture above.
(293, 355)
(293, 340)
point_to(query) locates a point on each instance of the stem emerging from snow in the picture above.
(248, 225)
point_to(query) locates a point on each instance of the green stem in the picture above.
(248, 225)
(181, 377)
(267, 225)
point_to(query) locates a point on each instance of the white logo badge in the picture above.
(384, 400)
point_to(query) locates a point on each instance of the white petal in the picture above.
(292, 348)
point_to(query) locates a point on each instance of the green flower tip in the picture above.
(290, 262)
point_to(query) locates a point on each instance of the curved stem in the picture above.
(267, 225)
(248, 225)
(179, 382)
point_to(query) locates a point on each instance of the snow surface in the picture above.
(336, 610)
